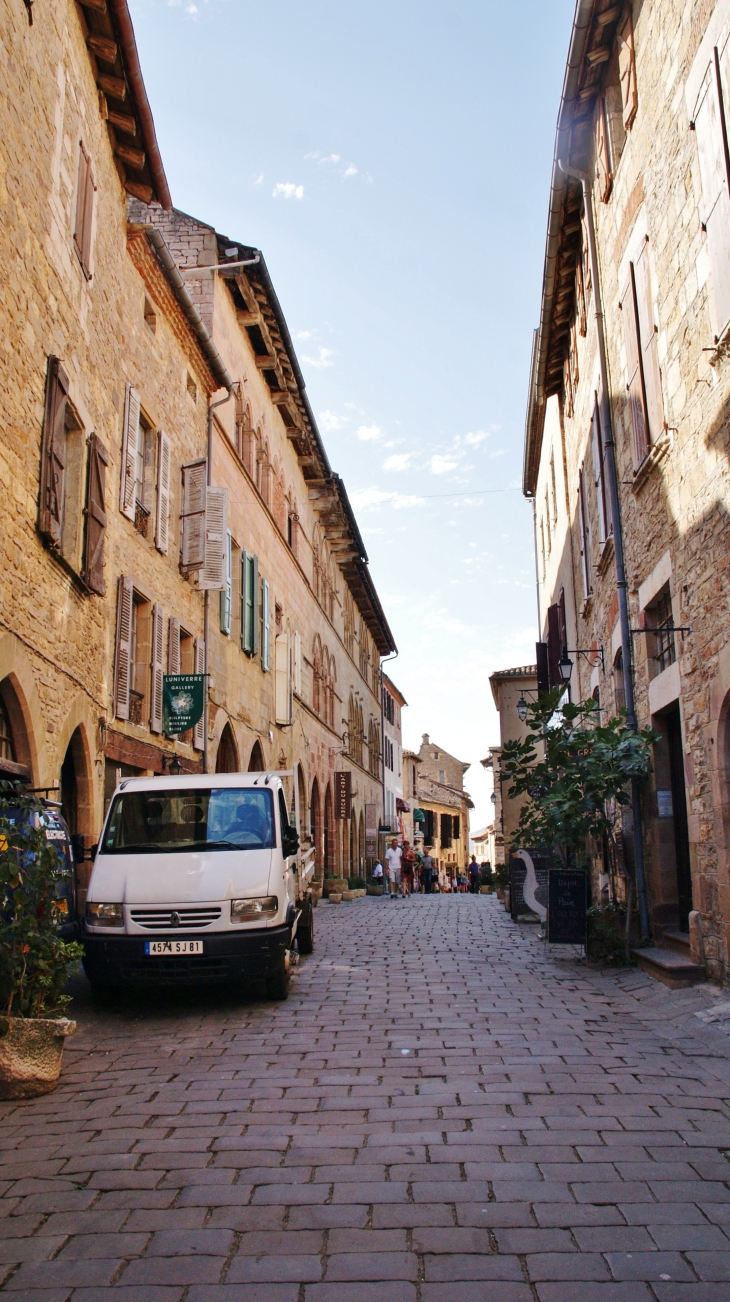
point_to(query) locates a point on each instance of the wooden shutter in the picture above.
(603, 162)
(123, 661)
(585, 537)
(213, 573)
(199, 729)
(455, 826)
(297, 685)
(648, 343)
(95, 516)
(627, 69)
(158, 667)
(53, 453)
(265, 635)
(283, 679)
(246, 602)
(227, 592)
(635, 371)
(162, 521)
(84, 210)
(604, 514)
(543, 676)
(173, 647)
(554, 647)
(130, 438)
(710, 129)
(193, 515)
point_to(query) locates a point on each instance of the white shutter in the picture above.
(158, 667)
(283, 679)
(173, 647)
(162, 523)
(648, 342)
(123, 662)
(227, 593)
(199, 729)
(265, 660)
(715, 211)
(130, 437)
(213, 573)
(193, 515)
(298, 663)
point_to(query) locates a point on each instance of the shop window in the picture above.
(661, 620)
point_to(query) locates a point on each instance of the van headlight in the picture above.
(104, 915)
(250, 910)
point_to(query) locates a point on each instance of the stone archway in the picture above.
(23, 707)
(77, 787)
(256, 762)
(361, 846)
(226, 760)
(330, 852)
(315, 830)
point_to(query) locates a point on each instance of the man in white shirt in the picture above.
(392, 859)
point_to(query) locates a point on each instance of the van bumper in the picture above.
(230, 957)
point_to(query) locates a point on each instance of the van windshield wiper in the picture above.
(219, 845)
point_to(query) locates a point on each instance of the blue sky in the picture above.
(392, 161)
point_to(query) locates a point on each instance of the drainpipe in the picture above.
(537, 569)
(206, 608)
(618, 542)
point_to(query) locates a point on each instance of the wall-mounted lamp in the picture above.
(522, 709)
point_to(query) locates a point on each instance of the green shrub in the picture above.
(486, 876)
(606, 935)
(356, 883)
(34, 960)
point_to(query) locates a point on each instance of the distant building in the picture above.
(445, 806)
(393, 702)
(509, 686)
(483, 845)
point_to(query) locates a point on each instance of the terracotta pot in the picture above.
(485, 890)
(336, 884)
(31, 1049)
(335, 897)
(375, 890)
(316, 895)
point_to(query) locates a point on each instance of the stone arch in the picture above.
(23, 707)
(330, 851)
(77, 785)
(226, 760)
(315, 830)
(76, 748)
(302, 798)
(361, 844)
(256, 760)
(354, 862)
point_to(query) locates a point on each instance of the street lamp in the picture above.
(522, 709)
(565, 666)
(493, 797)
(175, 766)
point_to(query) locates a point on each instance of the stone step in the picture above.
(668, 966)
(673, 938)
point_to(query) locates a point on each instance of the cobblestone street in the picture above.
(439, 1112)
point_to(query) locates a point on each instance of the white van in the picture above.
(198, 878)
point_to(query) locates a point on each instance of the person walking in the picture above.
(378, 874)
(393, 861)
(428, 868)
(407, 865)
(474, 876)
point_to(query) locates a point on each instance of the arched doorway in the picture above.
(315, 830)
(227, 758)
(329, 835)
(76, 792)
(302, 797)
(361, 846)
(256, 762)
(14, 748)
(354, 865)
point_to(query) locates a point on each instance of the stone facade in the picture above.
(641, 114)
(508, 686)
(393, 703)
(442, 798)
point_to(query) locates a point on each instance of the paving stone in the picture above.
(651, 1265)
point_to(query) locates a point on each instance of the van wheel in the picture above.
(305, 930)
(277, 986)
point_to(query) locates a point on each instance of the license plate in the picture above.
(173, 947)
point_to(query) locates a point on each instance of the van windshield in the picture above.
(218, 818)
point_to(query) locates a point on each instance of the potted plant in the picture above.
(486, 878)
(34, 960)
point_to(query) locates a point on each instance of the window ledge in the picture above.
(604, 559)
(656, 454)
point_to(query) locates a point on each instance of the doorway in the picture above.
(679, 810)
(227, 757)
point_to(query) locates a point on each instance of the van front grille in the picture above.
(174, 919)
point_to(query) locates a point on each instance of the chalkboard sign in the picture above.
(567, 906)
(528, 875)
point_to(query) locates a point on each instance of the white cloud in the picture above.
(369, 433)
(399, 461)
(441, 465)
(316, 157)
(258, 180)
(350, 170)
(500, 452)
(329, 421)
(372, 499)
(288, 190)
(476, 438)
(303, 334)
(322, 360)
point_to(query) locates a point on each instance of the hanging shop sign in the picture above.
(567, 921)
(343, 795)
(183, 701)
(371, 829)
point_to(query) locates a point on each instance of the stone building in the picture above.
(445, 805)
(393, 795)
(411, 825)
(627, 451)
(295, 638)
(147, 530)
(509, 687)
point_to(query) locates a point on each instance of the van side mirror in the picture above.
(289, 842)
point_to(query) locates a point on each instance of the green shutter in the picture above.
(227, 592)
(254, 605)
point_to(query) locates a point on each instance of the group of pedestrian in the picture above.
(408, 870)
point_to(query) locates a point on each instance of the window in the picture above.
(134, 645)
(442, 775)
(619, 692)
(249, 603)
(388, 706)
(604, 171)
(445, 832)
(554, 487)
(710, 123)
(283, 679)
(661, 619)
(642, 362)
(162, 515)
(7, 746)
(72, 506)
(627, 69)
(585, 537)
(605, 523)
(145, 478)
(192, 387)
(150, 315)
(83, 224)
(226, 597)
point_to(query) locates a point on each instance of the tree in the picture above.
(576, 774)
